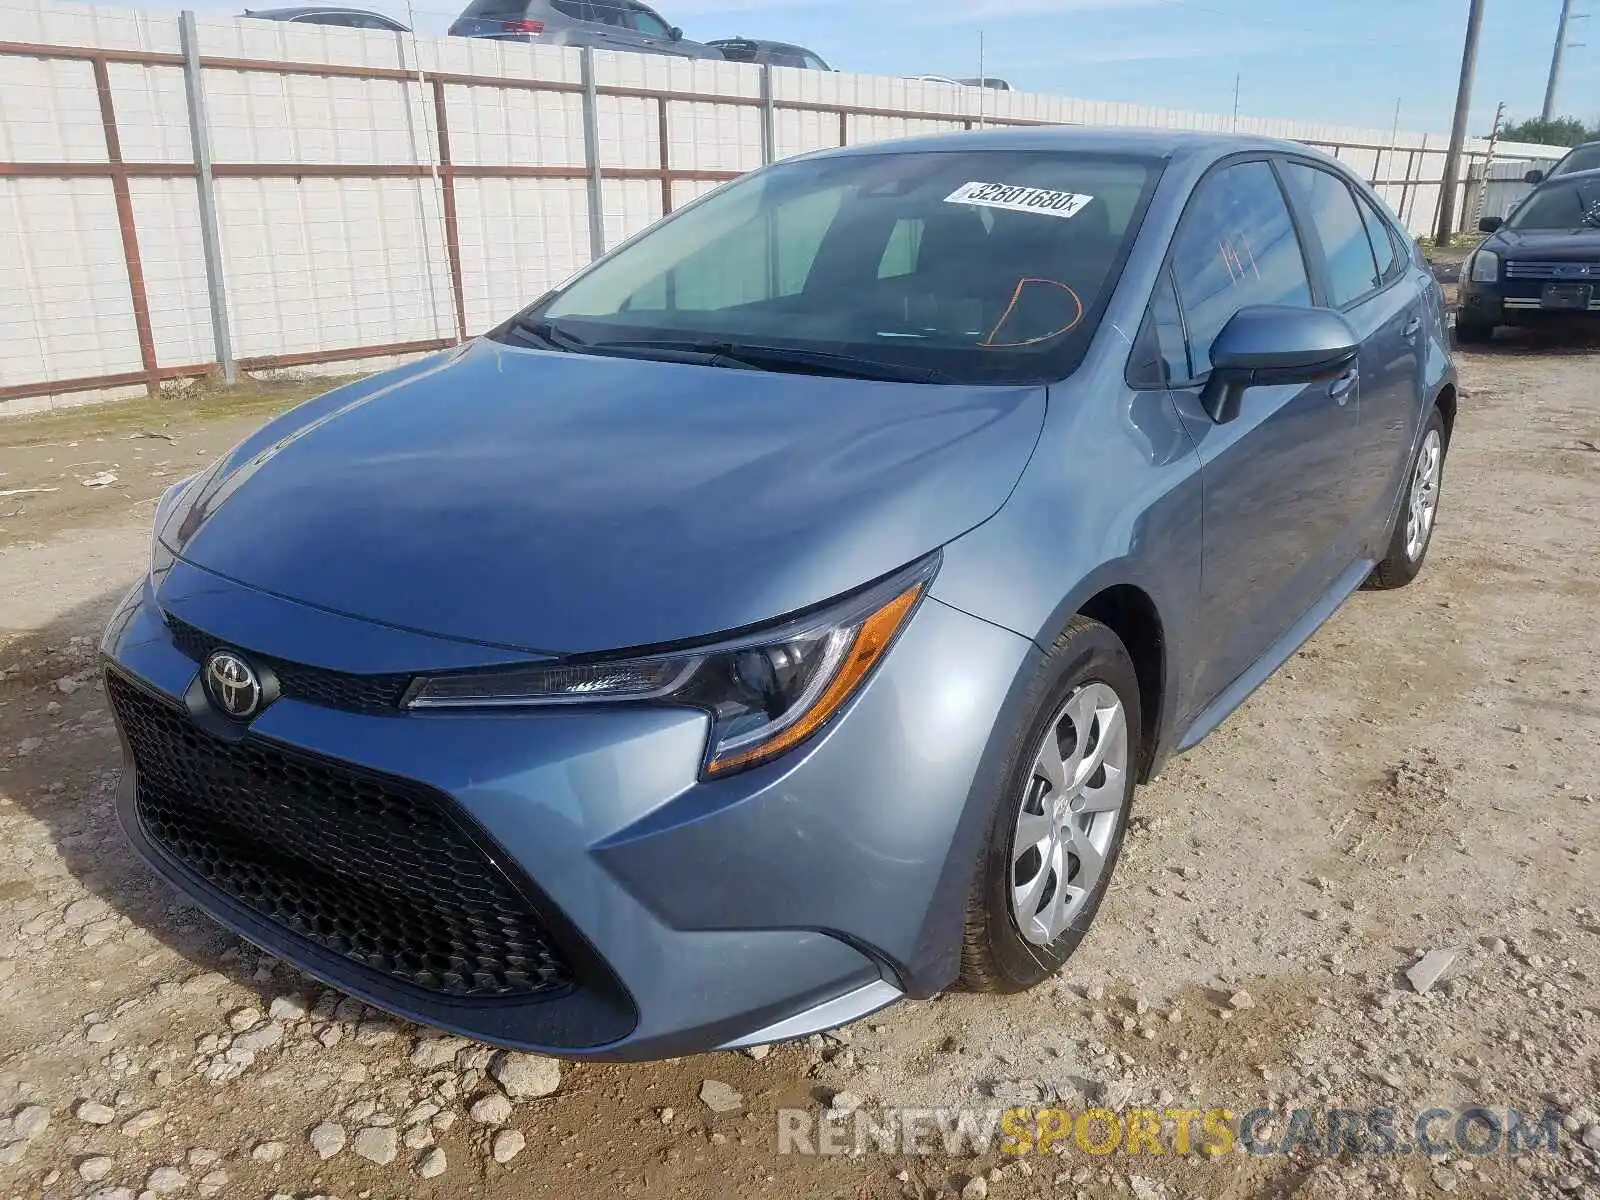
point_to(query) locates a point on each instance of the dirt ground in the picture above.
(1422, 776)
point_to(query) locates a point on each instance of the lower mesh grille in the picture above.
(373, 868)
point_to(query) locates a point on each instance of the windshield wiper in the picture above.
(775, 358)
(550, 335)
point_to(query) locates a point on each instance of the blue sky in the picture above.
(1345, 61)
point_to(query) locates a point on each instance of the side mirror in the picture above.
(675, 34)
(1534, 176)
(1490, 224)
(1271, 343)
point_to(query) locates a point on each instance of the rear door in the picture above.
(1276, 504)
(1365, 277)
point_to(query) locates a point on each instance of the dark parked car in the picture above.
(348, 18)
(1541, 262)
(1580, 158)
(777, 54)
(623, 25)
(774, 620)
(987, 81)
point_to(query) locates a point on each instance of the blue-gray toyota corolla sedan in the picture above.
(774, 620)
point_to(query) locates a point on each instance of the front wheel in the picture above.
(1413, 531)
(1057, 824)
(1473, 333)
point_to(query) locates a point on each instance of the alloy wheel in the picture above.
(1070, 813)
(1424, 495)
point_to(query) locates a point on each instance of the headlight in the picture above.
(766, 692)
(1485, 267)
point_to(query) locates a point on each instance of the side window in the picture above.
(606, 12)
(1326, 200)
(900, 253)
(576, 9)
(647, 22)
(1237, 247)
(1160, 356)
(1384, 250)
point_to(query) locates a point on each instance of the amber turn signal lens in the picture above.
(871, 640)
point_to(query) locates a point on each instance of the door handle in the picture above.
(1413, 327)
(1341, 387)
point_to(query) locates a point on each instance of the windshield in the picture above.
(1585, 158)
(989, 266)
(1574, 205)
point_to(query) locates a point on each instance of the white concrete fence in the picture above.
(184, 196)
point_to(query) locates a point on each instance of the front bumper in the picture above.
(1517, 304)
(786, 899)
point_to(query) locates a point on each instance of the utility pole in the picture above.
(1458, 129)
(982, 87)
(1236, 80)
(1555, 61)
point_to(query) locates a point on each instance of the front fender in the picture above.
(1112, 496)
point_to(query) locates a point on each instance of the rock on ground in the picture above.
(493, 1109)
(720, 1097)
(327, 1139)
(377, 1143)
(525, 1076)
(432, 1164)
(1430, 968)
(507, 1144)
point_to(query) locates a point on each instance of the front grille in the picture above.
(374, 868)
(315, 685)
(1568, 271)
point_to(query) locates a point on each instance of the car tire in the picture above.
(1021, 924)
(1419, 508)
(1473, 333)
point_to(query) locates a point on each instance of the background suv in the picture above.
(621, 25)
(1580, 158)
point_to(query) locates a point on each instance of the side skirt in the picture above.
(1275, 655)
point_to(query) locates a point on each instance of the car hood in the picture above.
(566, 503)
(1546, 245)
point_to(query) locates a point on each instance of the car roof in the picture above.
(301, 10)
(1154, 143)
(760, 44)
(1592, 175)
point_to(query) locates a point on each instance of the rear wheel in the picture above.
(1057, 825)
(1413, 531)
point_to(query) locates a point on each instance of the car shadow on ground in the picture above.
(1553, 339)
(60, 762)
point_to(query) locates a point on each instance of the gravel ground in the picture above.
(1421, 777)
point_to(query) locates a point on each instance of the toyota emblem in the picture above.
(233, 685)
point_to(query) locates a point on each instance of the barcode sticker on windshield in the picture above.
(1019, 198)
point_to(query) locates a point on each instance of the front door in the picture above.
(1277, 502)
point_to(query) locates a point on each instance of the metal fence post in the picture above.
(591, 156)
(200, 139)
(769, 137)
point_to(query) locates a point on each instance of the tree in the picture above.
(1560, 131)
